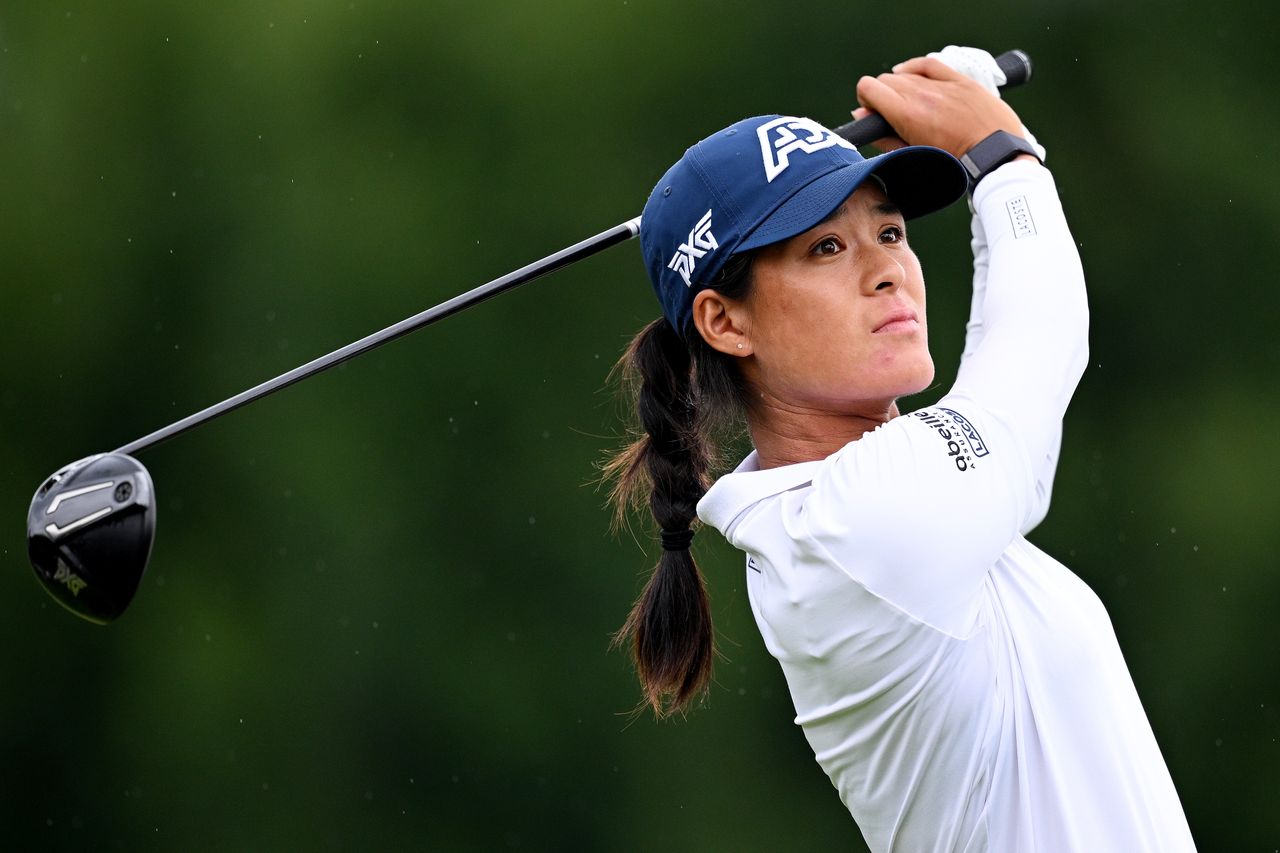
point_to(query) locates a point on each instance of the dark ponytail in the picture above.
(685, 394)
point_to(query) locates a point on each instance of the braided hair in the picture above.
(686, 395)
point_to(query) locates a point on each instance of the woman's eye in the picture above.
(829, 246)
(892, 234)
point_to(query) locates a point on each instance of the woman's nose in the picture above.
(888, 274)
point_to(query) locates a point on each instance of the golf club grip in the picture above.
(1015, 64)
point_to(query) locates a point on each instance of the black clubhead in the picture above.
(89, 534)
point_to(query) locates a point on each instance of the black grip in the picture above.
(1015, 64)
(864, 131)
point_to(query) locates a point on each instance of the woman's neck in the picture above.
(785, 434)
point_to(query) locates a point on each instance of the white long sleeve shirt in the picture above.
(963, 690)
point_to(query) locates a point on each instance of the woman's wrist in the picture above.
(994, 151)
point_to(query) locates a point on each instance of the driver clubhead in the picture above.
(89, 534)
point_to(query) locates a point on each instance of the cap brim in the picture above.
(919, 180)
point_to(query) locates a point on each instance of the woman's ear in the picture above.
(721, 322)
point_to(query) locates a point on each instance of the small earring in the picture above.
(739, 346)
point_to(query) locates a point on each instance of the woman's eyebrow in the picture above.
(884, 208)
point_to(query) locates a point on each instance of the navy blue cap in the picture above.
(766, 179)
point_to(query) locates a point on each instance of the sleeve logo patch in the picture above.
(963, 442)
(1020, 216)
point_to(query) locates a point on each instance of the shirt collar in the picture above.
(746, 485)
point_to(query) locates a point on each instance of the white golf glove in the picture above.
(978, 65)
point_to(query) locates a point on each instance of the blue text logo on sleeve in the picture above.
(964, 444)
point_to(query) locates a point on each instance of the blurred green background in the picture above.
(378, 608)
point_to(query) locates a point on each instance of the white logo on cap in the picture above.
(780, 137)
(701, 241)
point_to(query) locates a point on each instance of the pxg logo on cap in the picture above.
(700, 241)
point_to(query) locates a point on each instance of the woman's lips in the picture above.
(899, 322)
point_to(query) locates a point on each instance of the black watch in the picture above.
(994, 151)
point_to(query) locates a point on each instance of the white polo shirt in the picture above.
(963, 690)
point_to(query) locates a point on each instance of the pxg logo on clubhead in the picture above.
(89, 534)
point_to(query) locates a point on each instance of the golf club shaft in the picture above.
(563, 258)
(1015, 64)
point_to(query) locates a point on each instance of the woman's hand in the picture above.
(929, 103)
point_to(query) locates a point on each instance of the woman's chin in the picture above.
(913, 381)
(921, 384)
(890, 387)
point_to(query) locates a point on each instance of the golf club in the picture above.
(92, 523)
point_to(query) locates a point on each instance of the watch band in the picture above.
(992, 152)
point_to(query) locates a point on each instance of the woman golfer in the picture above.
(962, 689)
